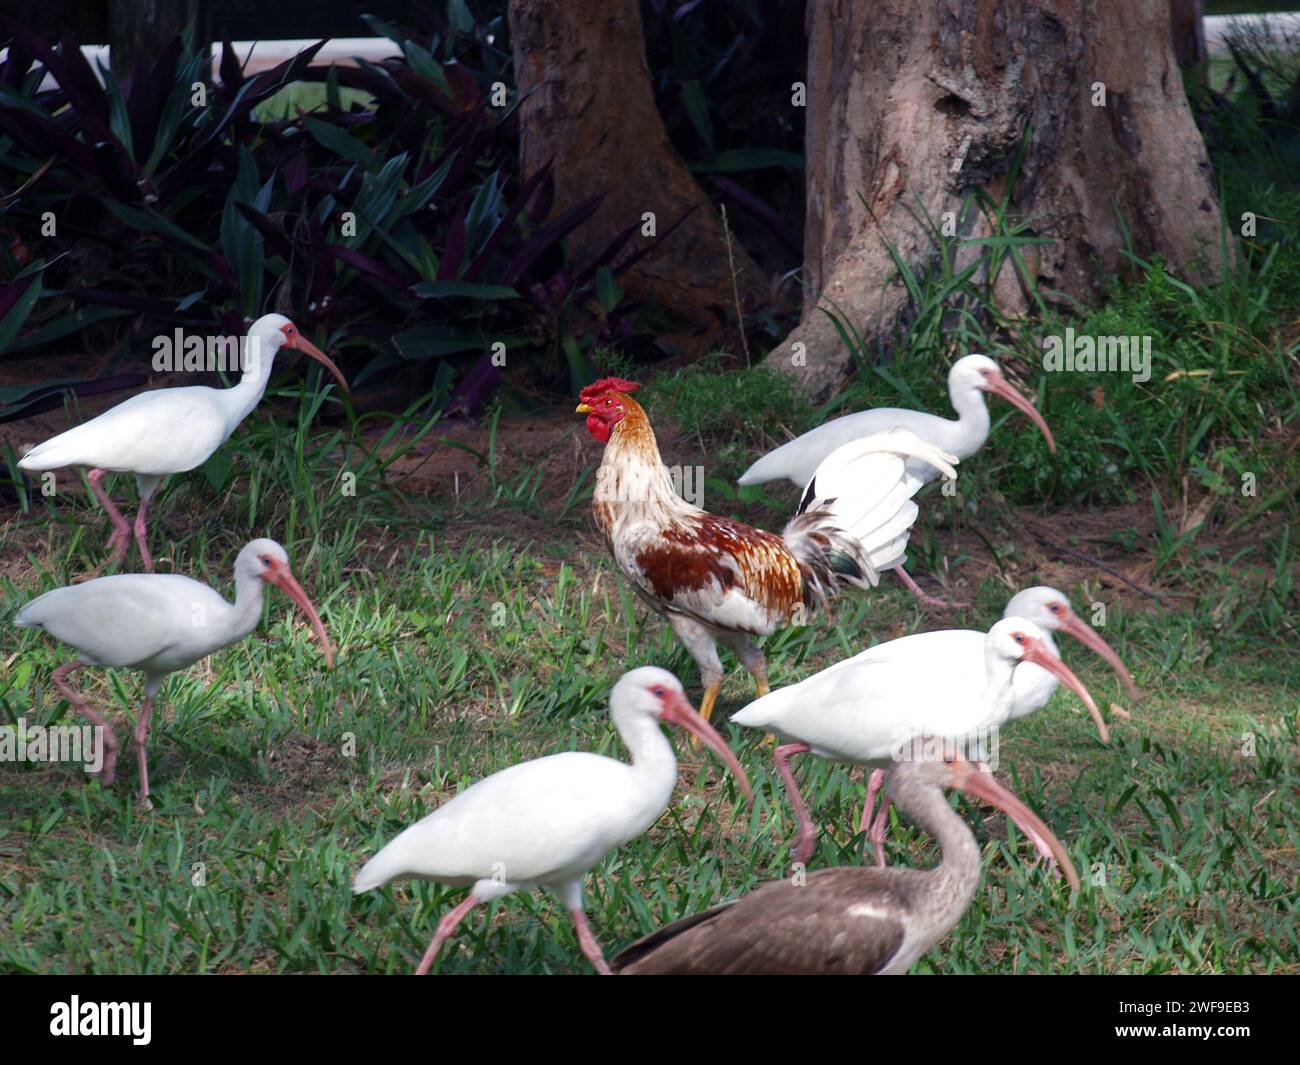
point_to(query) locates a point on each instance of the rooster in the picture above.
(715, 579)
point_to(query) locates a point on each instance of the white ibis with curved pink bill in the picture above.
(547, 822)
(1034, 686)
(158, 623)
(169, 430)
(1050, 610)
(968, 379)
(847, 921)
(868, 709)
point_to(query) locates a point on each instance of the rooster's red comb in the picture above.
(607, 384)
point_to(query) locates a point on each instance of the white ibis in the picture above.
(847, 921)
(967, 380)
(1033, 686)
(1050, 610)
(169, 430)
(547, 822)
(868, 709)
(158, 623)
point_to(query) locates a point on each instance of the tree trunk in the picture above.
(914, 104)
(137, 27)
(587, 104)
(1187, 24)
(87, 22)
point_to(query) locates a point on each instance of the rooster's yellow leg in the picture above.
(710, 697)
(760, 682)
(760, 678)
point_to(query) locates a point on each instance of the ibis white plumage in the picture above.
(968, 380)
(1032, 685)
(547, 822)
(169, 430)
(868, 709)
(158, 623)
(1050, 610)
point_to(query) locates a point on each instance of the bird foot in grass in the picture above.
(107, 773)
(91, 574)
(116, 549)
(942, 604)
(928, 600)
(804, 847)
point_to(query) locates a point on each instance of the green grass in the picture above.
(307, 96)
(463, 647)
(477, 631)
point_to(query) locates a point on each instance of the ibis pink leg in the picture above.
(874, 784)
(142, 536)
(875, 780)
(107, 771)
(807, 837)
(141, 742)
(877, 833)
(121, 538)
(588, 943)
(445, 928)
(928, 600)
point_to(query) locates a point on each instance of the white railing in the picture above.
(1283, 24)
(256, 56)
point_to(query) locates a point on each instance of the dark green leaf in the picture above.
(340, 142)
(742, 159)
(607, 290)
(468, 289)
(697, 110)
(72, 322)
(13, 321)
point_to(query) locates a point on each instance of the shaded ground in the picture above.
(461, 459)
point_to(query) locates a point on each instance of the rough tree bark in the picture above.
(912, 104)
(1187, 24)
(587, 104)
(143, 27)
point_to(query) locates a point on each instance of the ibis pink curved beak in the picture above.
(300, 343)
(280, 576)
(1000, 386)
(679, 711)
(1091, 638)
(981, 783)
(1037, 652)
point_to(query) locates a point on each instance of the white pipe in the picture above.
(1284, 26)
(257, 56)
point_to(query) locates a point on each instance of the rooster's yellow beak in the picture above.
(582, 409)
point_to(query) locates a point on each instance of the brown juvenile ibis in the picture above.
(848, 920)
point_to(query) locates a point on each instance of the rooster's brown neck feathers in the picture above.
(632, 479)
